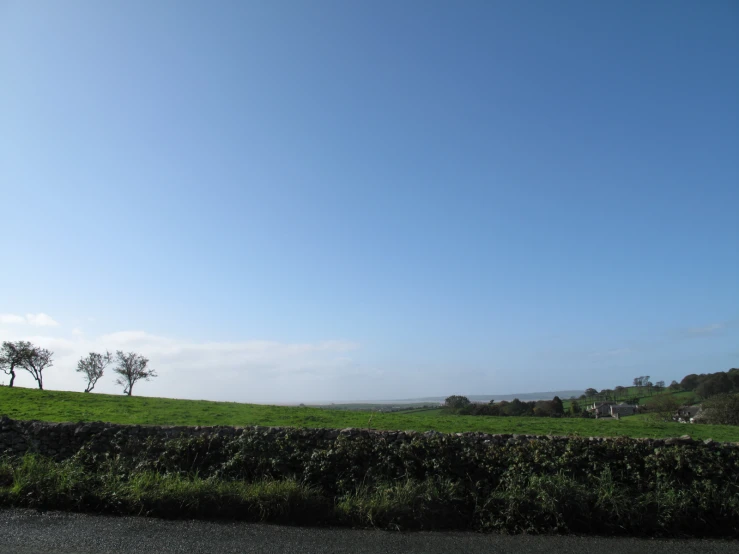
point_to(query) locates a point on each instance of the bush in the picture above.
(456, 402)
(722, 409)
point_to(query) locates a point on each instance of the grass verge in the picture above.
(519, 503)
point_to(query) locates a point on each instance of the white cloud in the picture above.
(41, 320)
(77, 331)
(705, 330)
(245, 371)
(37, 320)
(11, 318)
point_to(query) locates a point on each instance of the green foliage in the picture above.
(662, 407)
(12, 356)
(431, 482)
(557, 406)
(455, 402)
(722, 409)
(718, 383)
(517, 408)
(514, 408)
(690, 382)
(436, 504)
(25, 355)
(92, 367)
(710, 384)
(131, 368)
(109, 485)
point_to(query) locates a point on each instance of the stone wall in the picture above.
(61, 440)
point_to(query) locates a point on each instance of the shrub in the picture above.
(456, 402)
(722, 409)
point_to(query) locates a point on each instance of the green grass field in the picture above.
(20, 403)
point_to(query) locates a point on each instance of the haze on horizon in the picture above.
(303, 202)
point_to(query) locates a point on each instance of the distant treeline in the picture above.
(539, 408)
(705, 385)
(383, 408)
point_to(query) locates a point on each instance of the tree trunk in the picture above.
(130, 389)
(12, 377)
(40, 383)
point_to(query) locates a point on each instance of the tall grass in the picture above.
(38, 482)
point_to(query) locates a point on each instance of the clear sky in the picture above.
(286, 201)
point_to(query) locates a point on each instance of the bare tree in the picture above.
(131, 367)
(93, 366)
(12, 355)
(36, 361)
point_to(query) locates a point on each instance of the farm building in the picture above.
(688, 414)
(623, 409)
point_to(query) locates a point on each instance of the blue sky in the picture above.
(358, 200)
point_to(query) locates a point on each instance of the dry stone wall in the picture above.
(61, 440)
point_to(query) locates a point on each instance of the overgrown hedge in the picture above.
(432, 481)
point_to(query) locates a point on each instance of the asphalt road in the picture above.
(26, 532)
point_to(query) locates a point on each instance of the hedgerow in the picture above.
(513, 485)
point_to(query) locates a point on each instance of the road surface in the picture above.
(26, 532)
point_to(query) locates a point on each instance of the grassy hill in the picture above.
(20, 403)
(636, 395)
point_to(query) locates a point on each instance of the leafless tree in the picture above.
(132, 367)
(36, 361)
(92, 367)
(12, 355)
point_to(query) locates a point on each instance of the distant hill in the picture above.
(527, 396)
